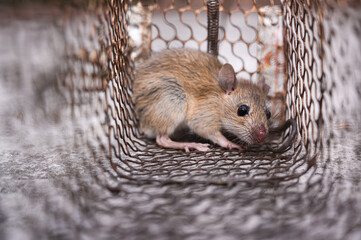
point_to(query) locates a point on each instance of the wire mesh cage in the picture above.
(295, 185)
(294, 45)
(136, 158)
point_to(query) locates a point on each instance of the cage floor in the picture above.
(54, 186)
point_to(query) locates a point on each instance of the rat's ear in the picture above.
(263, 85)
(227, 78)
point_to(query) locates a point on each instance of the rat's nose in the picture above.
(260, 133)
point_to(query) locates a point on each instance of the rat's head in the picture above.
(245, 113)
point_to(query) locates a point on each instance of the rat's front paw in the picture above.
(232, 145)
(165, 141)
(225, 143)
(202, 147)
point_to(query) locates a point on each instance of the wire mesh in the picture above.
(261, 177)
(135, 158)
(130, 188)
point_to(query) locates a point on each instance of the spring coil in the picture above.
(212, 26)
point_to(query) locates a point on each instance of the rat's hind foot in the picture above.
(165, 141)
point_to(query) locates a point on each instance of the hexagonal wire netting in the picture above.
(259, 184)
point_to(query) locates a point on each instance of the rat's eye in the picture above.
(243, 110)
(268, 114)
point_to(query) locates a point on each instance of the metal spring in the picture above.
(212, 26)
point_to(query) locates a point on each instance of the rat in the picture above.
(184, 87)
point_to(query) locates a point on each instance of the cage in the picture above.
(137, 38)
(240, 32)
(302, 183)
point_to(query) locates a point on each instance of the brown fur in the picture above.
(180, 87)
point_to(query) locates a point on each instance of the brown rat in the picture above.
(183, 87)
